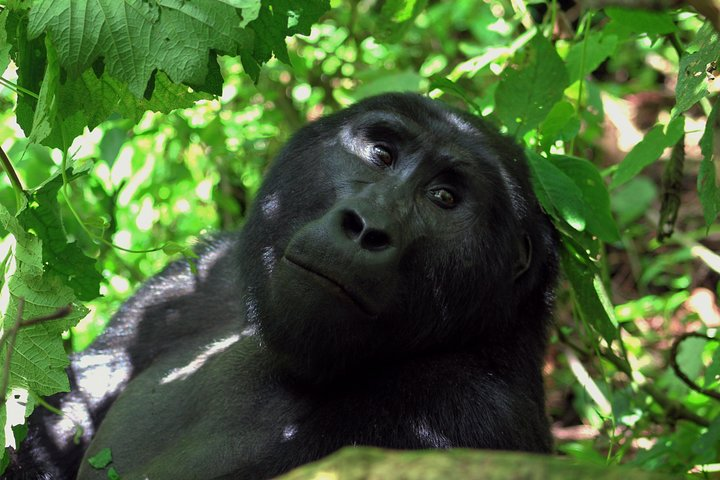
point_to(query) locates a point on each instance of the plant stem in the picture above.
(14, 179)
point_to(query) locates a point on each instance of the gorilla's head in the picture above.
(396, 227)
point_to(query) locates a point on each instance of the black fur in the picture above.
(360, 305)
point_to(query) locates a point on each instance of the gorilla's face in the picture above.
(398, 225)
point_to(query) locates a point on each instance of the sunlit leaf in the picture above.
(557, 192)
(525, 95)
(594, 193)
(648, 150)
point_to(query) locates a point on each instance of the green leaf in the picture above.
(101, 459)
(708, 444)
(690, 355)
(134, 38)
(65, 260)
(562, 123)
(648, 150)
(30, 58)
(587, 54)
(452, 88)
(98, 98)
(642, 21)
(708, 182)
(558, 193)
(525, 96)
(712, 373)
(4, 44)
(595, 196)
(631, 200)
(276, 20)
(692, 79)
(589, 294)
(396, 17)
(408, 81)
(38, 361)
(250, 9)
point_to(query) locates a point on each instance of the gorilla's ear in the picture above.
(524, 258)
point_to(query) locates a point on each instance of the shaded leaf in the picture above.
(396, 16)
(631, 200)
(587, 54)
(30, 58)
(562, 123)
(708, 182)
(589, 294)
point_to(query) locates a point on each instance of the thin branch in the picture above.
(59, 313)
(6, 165)
(681, 375)
(674, 410)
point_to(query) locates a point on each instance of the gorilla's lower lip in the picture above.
(334, 283)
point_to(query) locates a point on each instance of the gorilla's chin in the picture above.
(296, 271)
(315, 324)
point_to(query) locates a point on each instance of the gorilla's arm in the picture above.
(163, 315)
(233, 416)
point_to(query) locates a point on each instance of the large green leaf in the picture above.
(134, 38)
(38, 357)
(525, 95)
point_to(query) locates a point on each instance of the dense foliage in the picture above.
(129, 128)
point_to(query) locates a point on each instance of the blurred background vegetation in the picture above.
(177, 176)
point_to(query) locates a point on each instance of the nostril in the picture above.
(375, 240)
(352, 224)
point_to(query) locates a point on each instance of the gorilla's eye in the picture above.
(443, 197)
(381, 154)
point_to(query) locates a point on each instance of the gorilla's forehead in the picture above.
(442, 134)
(425, 117)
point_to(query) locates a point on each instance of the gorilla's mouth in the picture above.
(332, 284)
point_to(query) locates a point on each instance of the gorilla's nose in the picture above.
(361, 230)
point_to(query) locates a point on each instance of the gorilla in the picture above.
(392, 287)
